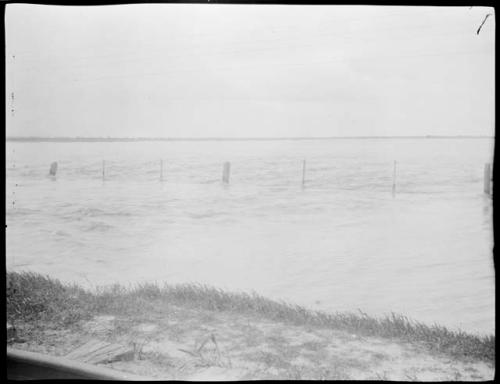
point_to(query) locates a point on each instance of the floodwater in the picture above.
(341, 242)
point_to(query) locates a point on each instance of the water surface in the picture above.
(342, 242)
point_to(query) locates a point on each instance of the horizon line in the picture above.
(129, 139)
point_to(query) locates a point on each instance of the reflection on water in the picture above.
(342, 242)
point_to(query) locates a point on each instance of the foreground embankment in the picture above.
(194, 332)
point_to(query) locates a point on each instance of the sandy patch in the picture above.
(100, 324)
(146, 328)
(234, 347)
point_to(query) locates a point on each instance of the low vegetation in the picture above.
(35, 299)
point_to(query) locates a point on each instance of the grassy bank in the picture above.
(35, 299)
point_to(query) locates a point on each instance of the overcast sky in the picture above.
(183, 70)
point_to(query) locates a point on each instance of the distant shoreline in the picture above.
(137, 139)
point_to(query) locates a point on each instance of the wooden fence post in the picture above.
(487, 178)
(225, 172)
(394, 180)
(304, 172)
(53, 169)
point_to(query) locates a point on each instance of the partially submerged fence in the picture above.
(226, 169)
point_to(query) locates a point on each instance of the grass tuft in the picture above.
(33, 297)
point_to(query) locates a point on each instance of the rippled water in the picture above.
(341, 243)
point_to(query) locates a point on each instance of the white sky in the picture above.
(184, 70)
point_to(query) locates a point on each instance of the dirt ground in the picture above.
(204, 345)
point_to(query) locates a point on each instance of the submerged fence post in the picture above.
(487, 178)
(161, 170)
(225, 172)
(303, 172)
(53, 169)
(103, 168)
(394, 180)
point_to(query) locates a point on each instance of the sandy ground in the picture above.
(204, 345)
